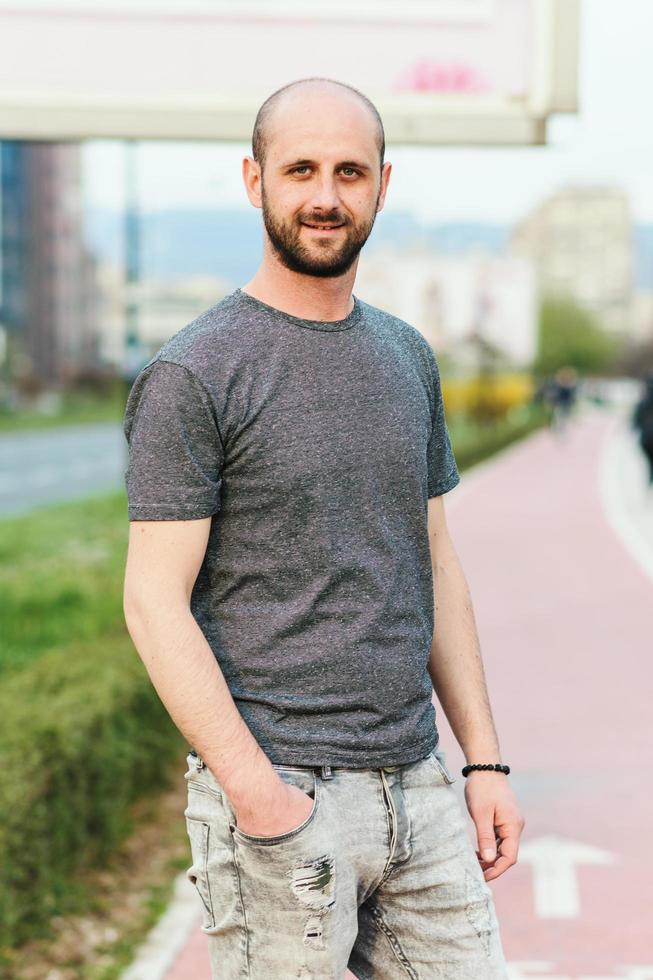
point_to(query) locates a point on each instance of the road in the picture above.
(47, 466)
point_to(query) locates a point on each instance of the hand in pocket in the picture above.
(290, 810)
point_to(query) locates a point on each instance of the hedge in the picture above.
(481, 442)
(83, 734)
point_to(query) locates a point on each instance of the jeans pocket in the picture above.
(305, 779)
(438, 758)
(198, 834)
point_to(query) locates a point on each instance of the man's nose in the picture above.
(325, 194)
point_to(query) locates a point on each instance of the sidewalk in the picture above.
(552, 534)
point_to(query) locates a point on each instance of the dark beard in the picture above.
(286, 241)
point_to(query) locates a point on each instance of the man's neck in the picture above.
(306, 297)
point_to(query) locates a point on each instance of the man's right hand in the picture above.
(290, 808)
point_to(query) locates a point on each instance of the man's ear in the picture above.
(386, 170)
(253, 181)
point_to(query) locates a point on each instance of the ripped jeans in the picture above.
(381, 878)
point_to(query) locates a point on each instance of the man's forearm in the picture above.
(188, 679)
(455, 663)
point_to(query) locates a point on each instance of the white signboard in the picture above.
(440, 71)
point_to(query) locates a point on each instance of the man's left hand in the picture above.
(493, 808)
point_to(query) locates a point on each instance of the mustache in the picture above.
(324, 219)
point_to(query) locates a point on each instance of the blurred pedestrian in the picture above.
(642, 421)
(563, 394)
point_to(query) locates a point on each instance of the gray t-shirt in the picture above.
(313, 446)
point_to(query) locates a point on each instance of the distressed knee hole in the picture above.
(313, 882)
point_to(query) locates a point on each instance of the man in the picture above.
(288, 457)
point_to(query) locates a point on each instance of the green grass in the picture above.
(61, 573)
(75, 409)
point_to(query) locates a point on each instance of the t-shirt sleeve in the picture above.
(441, 463)
(175, 452)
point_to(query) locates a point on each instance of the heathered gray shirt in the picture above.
(313, 446)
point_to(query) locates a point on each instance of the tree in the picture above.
(571, 336)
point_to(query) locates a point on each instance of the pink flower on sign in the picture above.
(436, 76)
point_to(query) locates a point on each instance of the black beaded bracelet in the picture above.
(486, 765)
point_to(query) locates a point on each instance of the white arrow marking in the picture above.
(554, 873)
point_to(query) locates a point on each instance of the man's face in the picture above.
(322, 185)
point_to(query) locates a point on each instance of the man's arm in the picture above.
(163, 560)
(455, 663)
(456, 670)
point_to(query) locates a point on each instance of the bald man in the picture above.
(288, 551)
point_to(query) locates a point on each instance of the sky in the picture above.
(609, 142)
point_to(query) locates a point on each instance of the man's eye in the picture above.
(350, 169)
(297, 169)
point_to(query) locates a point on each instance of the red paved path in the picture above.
(564, 615)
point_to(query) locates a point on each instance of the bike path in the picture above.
(564, 615)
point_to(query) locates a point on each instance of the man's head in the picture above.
(318, 147)
(304, 87)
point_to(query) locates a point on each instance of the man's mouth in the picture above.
(321, 227)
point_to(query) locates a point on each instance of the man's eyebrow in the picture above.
(311, 163)
(354, 163)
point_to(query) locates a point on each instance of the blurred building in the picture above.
(457, 302)
(581, 243)
(49, 290)
(164, 307)
(642, 322)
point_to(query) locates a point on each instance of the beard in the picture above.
(327, 258)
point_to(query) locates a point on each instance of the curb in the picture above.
(168, 937)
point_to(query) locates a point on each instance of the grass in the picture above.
(75, 409)
(61, 571)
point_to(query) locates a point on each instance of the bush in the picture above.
(82, 735)
(473, 442)
(486, 398)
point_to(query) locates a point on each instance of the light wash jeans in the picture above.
(381, 877)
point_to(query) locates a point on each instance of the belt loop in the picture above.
(325, 772)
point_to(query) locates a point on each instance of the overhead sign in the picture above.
(440, 71)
